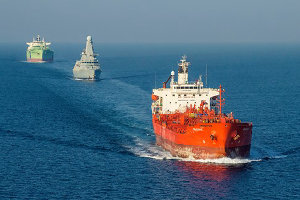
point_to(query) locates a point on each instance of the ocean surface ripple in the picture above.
(72, 139)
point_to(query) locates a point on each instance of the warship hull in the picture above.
(84, 73)
(87, 68)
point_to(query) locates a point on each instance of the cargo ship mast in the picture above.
(221, 101)
(183, 71)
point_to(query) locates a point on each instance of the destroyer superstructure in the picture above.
(39, 51)
(88, 66)
(188, 120)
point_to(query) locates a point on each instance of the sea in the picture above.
(62, 138)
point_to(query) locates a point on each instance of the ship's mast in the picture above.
(220, 100)
(88, 54)
(89, 46)
(183, 71)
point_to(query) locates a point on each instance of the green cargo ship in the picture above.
(39, 51)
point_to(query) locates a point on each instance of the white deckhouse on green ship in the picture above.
(88, 66)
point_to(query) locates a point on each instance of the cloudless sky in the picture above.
(151, 21)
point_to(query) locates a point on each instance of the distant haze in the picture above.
(151, 21)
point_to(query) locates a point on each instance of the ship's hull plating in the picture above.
(86, 73)
(206, 141)
(39, 55)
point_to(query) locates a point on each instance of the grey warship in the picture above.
(88, 66)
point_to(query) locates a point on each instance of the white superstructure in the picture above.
(182, 94)
(38, 43)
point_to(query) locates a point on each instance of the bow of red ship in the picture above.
(200, 132)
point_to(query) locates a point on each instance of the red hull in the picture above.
(206, 140)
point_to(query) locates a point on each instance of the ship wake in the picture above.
(24, 61)
(148, 150)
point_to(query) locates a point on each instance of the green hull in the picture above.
(38, 54)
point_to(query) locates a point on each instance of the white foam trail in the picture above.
(133, 88)
(278, 157)
(77, 79)
(146, 150)
(83, 79)
(136, 110)
(225, 160)
(24, 61)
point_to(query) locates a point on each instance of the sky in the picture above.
(151, 21)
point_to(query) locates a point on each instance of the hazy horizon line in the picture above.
(165, 43)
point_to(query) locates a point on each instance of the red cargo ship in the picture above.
(188, 120)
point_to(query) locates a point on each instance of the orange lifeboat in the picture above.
(154, 97)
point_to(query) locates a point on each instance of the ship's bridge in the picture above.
(178, 97)
(38, 43)
(171, 100)
(182, 94)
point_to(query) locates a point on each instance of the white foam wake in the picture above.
(84, 79)
(147, 150)
(24, 61)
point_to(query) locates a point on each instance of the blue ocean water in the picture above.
(67, 139)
